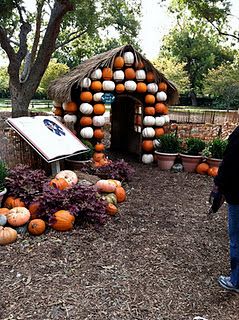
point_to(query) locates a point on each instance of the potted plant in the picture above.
(3, 175)
(214, 151)
(80, 160)
(191, 153)
(167, 148)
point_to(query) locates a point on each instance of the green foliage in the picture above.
(4, 82)
(194, 146)
(169, 143)
(3, 175)
(217, 148)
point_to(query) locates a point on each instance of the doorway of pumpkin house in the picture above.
(126, 125)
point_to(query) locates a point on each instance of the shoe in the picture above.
(225, 282)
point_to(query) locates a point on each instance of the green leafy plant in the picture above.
(3, 175)
(168, 143)
(194, 146)
(217, 148)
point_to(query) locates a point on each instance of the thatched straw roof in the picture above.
(61, 89)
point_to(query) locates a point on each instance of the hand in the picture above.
(216, 199)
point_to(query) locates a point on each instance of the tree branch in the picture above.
(221, 32)
(5, 44)
(37, 31)
(70, 39)
(24, 30)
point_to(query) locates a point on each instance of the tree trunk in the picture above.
(193, 97)
(20, 100)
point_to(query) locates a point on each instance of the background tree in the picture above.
(30, 38)
(4, 80)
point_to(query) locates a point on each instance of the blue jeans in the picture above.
(233, 230)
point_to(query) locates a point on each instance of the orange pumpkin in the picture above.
(105, 186)
(99, 147)
(119, 62)
(159, 132)
(7, 235)
(60, 183)
(12, 202)
(129, 73)
(111, 209)
(18, 216)
(162, 86)
(202, 168)
(139, 65)
(149, 99)
(150, 76)
(36, 227)
(149, 111)
(63, 220)
(99, 134)
(86, 121)
(161, 108)
(4, 211)
(97, 156)
(120, 88)
(107, 73)
(34, 208)
(86, 96)
(70, 106)
(99, 108)
(96, 85)
(212, 171)
(148, 145)
(58, 111)
(141, 87)
(120, 194)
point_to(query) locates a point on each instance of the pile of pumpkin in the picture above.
(127, 74)
(14, 215)
(205, 169)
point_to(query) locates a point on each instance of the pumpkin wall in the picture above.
(125, 76)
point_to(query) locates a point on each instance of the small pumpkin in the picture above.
(152, 87)
(70, 106)
(159, 121)
(120, 88)
(34, 208)
(105, 186)
(12, 202)
(7, 235)
(202, 168)
(130, 85)
(141, 87)
(87, 133)
(118, 75)
(108, 85)
(107, 73)
(148, 132)
(85, 121)
(86, 108)
(147, 145)
(3, 220)
(4, 211)
(98, 121)
(99, 108)
(150, 111)
(161, 108)
(96, 85)
(128, 58)
(69, 175)
(149, 121)
(36, 227)
(99, 134)
(150, 76)
(99, 147)
(97, 97)
(97, 156)
(60, 183)
(118, 62)
(149, 99)
(111, 209)
(159, 132)
(96, 74)
(63, 220)
(212, 171)
(147, 158)
(163, 86)
(120, 194)
(129, 73)
(86, 96)
(18, 216)
(161, 96)
(140, 75)
(85, 83)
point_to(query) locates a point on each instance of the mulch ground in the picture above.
(158, 259)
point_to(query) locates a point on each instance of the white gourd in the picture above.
(149, 121)
(156, 143)
(128, 58)
(96, 74)
(87, 133)
(98, 121)
(148, 132)
(159, 121)
(147, 158)
(97, 96)
(68, 118)
(85, 83)
(108, 85)
(167, 119)
(161, 96)
(152, 87)
(130, 85)
(118, 75)
(86, 108)
(140, 75)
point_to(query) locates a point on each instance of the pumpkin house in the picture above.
(139, 96)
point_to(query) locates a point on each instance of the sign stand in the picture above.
(55, 167)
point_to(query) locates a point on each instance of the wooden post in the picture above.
(55, 167)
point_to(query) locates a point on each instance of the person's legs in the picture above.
(233, 231)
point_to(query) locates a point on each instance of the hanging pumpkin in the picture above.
(18, 216)
(60, 183)
(70, 106)
(107, 73)
(70, 118)
(139, 64)
(69, 175)
(99, 108)
(105, 186)
(85, 83)
(3, 220)
(140, 75)
(147, 145)
(12, 202)
(99, 134)
(141, 87)
(57, 111)
(118, 75)
(147, 158)
(161, 108)
(87, 133)
(162, 86)
(86, 108)
(130, 85)
(4, 211)
(152, 87)
(202, 168)
(111, 209)
(148, 132)
(161, 96)
(120, 88)
(97, 97)
(86, 96)
(128, 58)
(108, 85)
(96, 85)
(63, 220)
(96, 74)
(98, 121)
(7, 235)
(149, 99)
(149, 121)
(99, 147)
(86, 121)
(129, 73)
(212, 171)
(150, 111)
(150, 76)
(36, 227)
(119, 62)
(159, 132)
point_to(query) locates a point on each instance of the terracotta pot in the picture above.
(190, 162)
(165, 160)
(213, 162)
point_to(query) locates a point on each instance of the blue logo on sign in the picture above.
(53, 127)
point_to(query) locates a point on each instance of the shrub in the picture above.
(194, 146)
(168, 143)
(3, 175)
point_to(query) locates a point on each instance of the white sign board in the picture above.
(48, 136)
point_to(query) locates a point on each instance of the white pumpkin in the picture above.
(85, 83)
(97, 96)
(87, 133)
(108, 85)
(147, 158)
(152, 87)
(156, 143)
(70, 118)
(149, 121)
(159, 121)
(148, 132)
(140, 75)
(130, 85)
(96, 74)
(118, 75)
(98, 121)
(68, 175)
(86, 108)
(161, 96)
(128, 58)
(167, 119)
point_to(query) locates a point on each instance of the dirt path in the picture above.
(157, 260)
